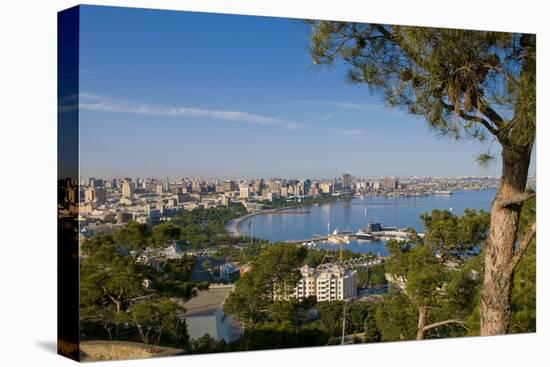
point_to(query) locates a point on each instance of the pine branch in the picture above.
(492, 114)
(516, 199)
(474, 118)
(445, 322)
(523, 245)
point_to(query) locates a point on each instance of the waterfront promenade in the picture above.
(234, 225)
(354, 215)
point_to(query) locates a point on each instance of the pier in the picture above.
(398, 235)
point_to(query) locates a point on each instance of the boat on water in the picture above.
(443, 192)
(362, 234)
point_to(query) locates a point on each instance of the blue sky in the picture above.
(190, 94)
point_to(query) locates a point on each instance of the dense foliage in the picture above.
(434, 287)
(205, 227)
(126, 299)
(274, 275)
(435, 272)
(465, 84)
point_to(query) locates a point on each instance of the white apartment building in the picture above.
(127, 189)
(326, 187)
(244, 192)
(327, 283)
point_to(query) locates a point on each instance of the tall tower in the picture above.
(346, 182)
(127, 189)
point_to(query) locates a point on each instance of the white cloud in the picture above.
(360, 135)
(378, 107)
(344, 104)
(327, 116)
(93, 102)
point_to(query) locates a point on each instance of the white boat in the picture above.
(362, 235)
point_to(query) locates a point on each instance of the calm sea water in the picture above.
(353, 215)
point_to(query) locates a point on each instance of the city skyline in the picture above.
(122, 177)
(203, 104)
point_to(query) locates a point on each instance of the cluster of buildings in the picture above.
(147, 200)
(110, 202)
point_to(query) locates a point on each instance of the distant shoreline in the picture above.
(234, 225)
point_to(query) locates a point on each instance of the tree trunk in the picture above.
(421, 323)
(501, 243)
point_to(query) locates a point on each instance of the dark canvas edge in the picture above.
(68, 34)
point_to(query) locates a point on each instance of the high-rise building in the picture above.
(72, 194)
(228, 185)
(284, 192)
(89, 194)
(326, 187)
(100, 195)
(226, 201)
(390, 183)
(197, 186)
(159, 189)
(306, 185)
(127, 189)
(244, 191)
(110, 184)
(346, 182)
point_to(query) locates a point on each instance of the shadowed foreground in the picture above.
(100, 350)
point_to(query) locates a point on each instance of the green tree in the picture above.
(207, 344)
(371, 331)
(121, 298)
(134, 237)
(109, 276)
(433, 272)
(165, 233)
(455, 236)
(273, 335)
(371, 277)
(524, 303)
(465, 84)
(287, 310)
(423, 276)
(174, 278)
(331, 314)
(273, 276)
(396, 318)
(360, 320)
(157, 319)
(179, 269)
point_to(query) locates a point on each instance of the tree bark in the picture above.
(421, 323)
(114, 300)
(500, 246)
